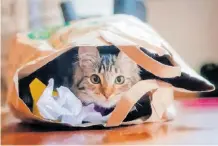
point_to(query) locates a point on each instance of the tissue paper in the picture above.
(66, 107)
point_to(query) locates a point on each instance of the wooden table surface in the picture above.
(196, 123)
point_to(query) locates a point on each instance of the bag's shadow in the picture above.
(48, 127)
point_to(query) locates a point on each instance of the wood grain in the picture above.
(196, 123)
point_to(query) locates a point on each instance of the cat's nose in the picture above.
(108, 92)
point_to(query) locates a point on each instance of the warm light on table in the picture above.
(196, 123)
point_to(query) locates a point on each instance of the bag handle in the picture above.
(162, 98)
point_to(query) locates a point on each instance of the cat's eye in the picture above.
(95, 79)
(120, 80)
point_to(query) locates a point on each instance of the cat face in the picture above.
(103, 79)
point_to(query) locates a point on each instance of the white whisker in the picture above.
(139, 104)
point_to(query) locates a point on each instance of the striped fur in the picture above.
(107, 67)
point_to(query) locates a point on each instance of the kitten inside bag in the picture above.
(66, 75)
(132, 68)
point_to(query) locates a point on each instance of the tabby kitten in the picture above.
(103, 79)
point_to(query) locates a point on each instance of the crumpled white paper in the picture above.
(66, 107)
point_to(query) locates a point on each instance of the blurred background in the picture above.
(190, 26)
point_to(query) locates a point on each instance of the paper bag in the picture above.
(162, 68)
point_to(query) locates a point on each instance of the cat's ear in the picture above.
(88, 56)
(126, 63)
(88, 50)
